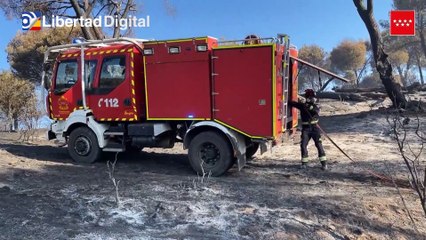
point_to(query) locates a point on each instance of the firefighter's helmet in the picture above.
(310, 93)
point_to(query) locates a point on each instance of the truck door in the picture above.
(244, 89)
(110, 95)
(65, 93)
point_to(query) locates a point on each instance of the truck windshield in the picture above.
(66, 75)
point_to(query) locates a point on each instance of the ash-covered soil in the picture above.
(44, 195)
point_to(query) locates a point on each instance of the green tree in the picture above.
(420, 9)
(404, 54)
(383, 66)
(14, 94)
(349, 56)
(26, 50)
(308, 77)
(402, 60)
(371, 81)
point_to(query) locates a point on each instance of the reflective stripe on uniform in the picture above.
(323, 158)
(311, 122)
(305, 159)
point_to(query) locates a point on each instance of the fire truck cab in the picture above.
(222, 100)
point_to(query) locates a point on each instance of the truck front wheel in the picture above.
(210, 153)
(83, 145)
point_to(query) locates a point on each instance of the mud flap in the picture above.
(263, 147)
(239, 146)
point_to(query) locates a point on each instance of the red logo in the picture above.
(402, 23)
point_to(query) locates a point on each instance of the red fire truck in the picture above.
(221, 99)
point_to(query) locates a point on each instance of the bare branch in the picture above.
(403, 200)
(111, 174)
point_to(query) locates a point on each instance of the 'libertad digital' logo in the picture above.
(35, 21)
(31, 21)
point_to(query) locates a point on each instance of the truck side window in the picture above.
(113, 72)
(66, 75)
(90, 70)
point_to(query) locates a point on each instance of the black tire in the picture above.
(251, 150)
(83, 146)
(212, 152)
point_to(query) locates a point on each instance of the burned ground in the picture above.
(44, 195)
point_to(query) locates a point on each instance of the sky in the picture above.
(321, 22)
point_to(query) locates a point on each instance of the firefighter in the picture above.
(309, 111)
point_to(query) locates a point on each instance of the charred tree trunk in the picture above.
(383, 65)
(419, 65)
(326, 84)
(15, 124)
(421, 32)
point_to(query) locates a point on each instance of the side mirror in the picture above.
(47, 75)
(47, 67)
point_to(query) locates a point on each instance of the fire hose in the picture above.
(370, 171)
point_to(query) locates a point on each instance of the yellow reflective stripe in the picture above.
(305, 159)
(323, 158)
(311, 122)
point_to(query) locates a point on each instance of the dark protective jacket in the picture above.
(309, 112)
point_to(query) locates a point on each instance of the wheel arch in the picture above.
(84, 118)
(74, 126)
(237, 140)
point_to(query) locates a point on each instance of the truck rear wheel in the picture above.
(83, 145)
(210, 152)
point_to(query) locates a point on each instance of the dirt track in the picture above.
(44, 195)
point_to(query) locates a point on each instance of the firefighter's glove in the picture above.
(309, 106)
(301, 99)
(311, 100)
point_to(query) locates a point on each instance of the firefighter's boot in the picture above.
(324, 165)
(305, 161)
